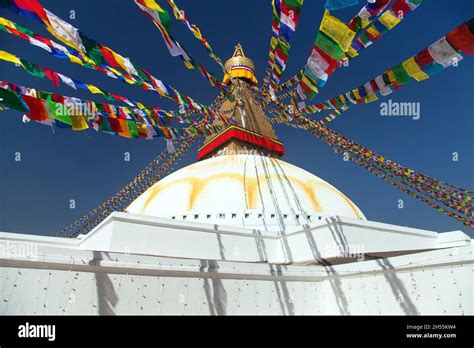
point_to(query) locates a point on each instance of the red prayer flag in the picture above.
(424, 57)
(462, 39)
(333, 64)
(400, 7)
(43, 39)
(115, 124)
(18, 33)
(52, 75)
(34, 7)
(38, 111)
(109, 57)
(374, 86)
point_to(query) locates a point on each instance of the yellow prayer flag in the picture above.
(88, 60)
(371, 98)
(273, 42)
(74, 59)
(365, 22)
(115, 71)
(7, 23)
(388, 19)
(310, 84)
(414, 70)
(152, 4)
(188, 64)
(351, 52)
(373, 31)
(9, 57)
(391, 76)
(355, 91)
(94, 89)
(119, 60)
(337, 30)
(130, 81)
(79, 123)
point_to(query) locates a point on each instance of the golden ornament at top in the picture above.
(239, 66)
(239, 59)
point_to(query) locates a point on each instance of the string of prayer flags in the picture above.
(363, 19)
(153, 172)
(367, 13)
(43, 107)
(437, 57)
(357, 23)
(273, 40)
(333, 39)
(289, 17)
(156, 13)
(39, 71)
(454, 201)
(88, 52)
(285, 20)
(464, 206)
(389, 19)
(181, 16)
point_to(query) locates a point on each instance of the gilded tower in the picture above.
(251, 131)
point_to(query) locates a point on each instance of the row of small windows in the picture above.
(234, 216)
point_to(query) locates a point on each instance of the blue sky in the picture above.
(89, 167)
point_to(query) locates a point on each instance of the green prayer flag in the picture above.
(326, 44)
(13, 101)
(58, 111)
(133, 129)
(33, 69)
(104, 125)
(25, 31)
(93, 50)
(401, 74)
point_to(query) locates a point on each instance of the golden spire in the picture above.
(251, 131)
(239, 66)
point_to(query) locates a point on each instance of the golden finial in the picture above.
(239, 59)
(239, 51)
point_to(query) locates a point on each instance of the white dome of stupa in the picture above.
(246, 191)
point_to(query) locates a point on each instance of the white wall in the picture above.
(85, 282)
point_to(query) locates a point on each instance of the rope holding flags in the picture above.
(154, 171)
(55, 77)
(383, 22)
(181, 16)
(454, 201)
(160, 18)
